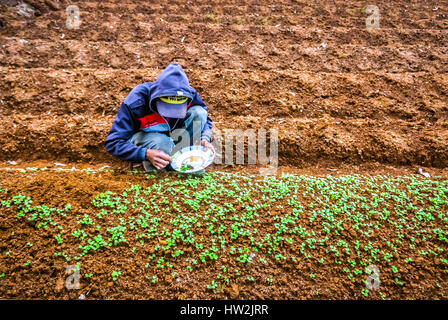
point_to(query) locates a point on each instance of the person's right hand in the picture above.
(158, 158)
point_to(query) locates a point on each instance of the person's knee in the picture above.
(154, 140)
(197, 113)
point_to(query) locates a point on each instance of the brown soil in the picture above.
(424, 277)
(369, 95)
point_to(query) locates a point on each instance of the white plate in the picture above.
(192, 159)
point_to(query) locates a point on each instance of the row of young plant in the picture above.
(348, 223)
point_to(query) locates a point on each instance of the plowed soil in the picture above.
(343, 97)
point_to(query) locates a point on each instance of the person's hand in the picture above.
(207, 145)
(158, 158)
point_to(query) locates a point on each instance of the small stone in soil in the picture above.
(425, 174)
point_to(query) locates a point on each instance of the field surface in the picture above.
(224, 235)
(358, 112)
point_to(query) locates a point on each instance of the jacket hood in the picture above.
(172, 81)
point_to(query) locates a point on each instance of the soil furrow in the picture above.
(215, 33)
(407, 96)
(304, 56)
(110, 25)
(322, 9)
(301, 141)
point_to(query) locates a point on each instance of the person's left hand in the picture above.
(207, 145)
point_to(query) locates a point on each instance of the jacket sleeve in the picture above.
(206, 133)
(117, 141)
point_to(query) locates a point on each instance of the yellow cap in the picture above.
(174, 100)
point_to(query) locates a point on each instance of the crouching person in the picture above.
(154, 115)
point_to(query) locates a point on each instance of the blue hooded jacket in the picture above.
(137, 112)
